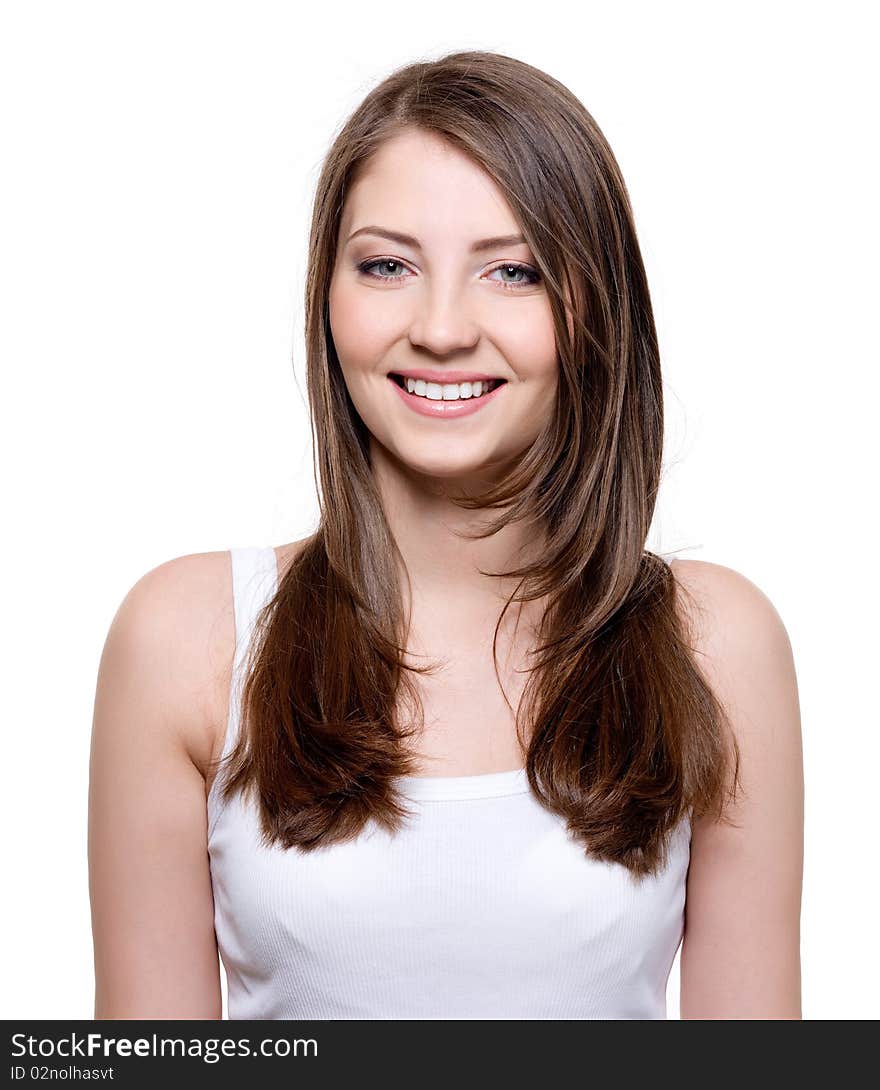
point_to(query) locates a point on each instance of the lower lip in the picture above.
(446, 410)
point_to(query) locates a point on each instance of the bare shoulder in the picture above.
(181, 616)
(742, 646)
(740, 955)
(177, 623)
(725, 608)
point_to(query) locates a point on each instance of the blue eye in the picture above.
(367, 267)
(530, 276)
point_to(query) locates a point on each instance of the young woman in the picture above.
(469, 750)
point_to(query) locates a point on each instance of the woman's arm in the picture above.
(740, 954)
(149, 880)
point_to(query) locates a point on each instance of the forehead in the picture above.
(420, 184)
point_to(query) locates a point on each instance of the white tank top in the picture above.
(482, 907)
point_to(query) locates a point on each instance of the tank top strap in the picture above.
(254, 583)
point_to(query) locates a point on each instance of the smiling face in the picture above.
(430, 280)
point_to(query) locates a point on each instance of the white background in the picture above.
(159, 166)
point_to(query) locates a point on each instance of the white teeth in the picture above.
(453, 391)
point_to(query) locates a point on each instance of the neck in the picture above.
(433, 535)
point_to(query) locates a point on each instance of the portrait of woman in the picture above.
(470, 749)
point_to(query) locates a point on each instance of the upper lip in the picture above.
(448, 376)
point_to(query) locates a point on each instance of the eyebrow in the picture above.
(409, 240)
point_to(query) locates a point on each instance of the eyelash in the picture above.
(365, 266)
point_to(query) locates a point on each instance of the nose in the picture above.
(442, 323)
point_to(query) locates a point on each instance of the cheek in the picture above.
(361, 330)
(528, 340)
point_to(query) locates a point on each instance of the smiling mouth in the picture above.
(487, 386)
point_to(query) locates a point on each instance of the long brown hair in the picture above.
(624, 735)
